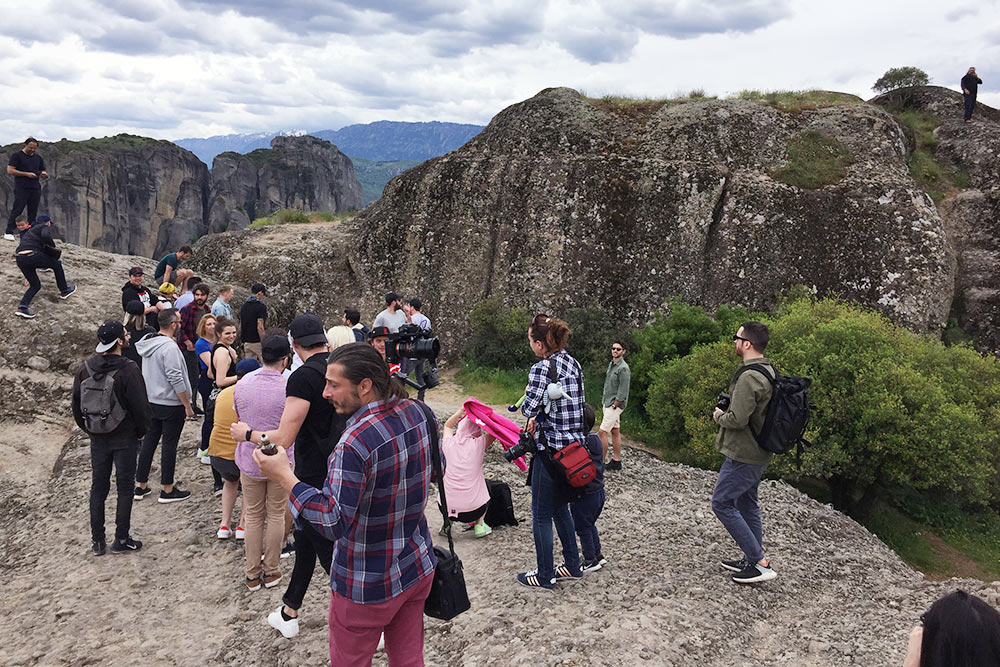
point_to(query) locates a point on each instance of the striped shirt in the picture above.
(564, 422)
(372, 503)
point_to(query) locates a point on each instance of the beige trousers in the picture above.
(264, 505)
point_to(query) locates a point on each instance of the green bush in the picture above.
(499, 336)
(895, 409)
(813, 160)
(901, 77)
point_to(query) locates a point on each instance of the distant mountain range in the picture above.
(380, 141)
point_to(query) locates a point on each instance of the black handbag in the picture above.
(448, 596)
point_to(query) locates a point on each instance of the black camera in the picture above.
(412, 342)
(723, 401)
(525, 445)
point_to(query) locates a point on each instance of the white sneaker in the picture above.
(8, 237)
(288, 629)
(224, 533)
(204, 457)
(240, 533)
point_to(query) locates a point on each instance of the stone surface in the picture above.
(302, 173)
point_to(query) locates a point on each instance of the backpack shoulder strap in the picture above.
(760, 368)
(551, 373)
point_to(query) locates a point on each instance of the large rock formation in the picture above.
(568, 201)
(972, 215)
(123, 194)
(303, 173)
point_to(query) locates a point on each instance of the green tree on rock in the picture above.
(896, 80)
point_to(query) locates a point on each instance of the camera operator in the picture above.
(557, 426)
(372, 507)
(377, 338)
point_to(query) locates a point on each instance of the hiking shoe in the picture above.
(141, 493)
(25, 312)
(531, 580)
(8, 237)
(288, 628)
(613, 465)
(216, 490)
(565, 573)
(174, 495)
(271, 580)
(224, 533)
(735, 565)
(100, 547)
(288, 549)
(252, 584)
(240, 533)
(125, 546)
(751, 574)
(482, 530)
(69, 291)
(593, 565)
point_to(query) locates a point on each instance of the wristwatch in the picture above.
(249, 434)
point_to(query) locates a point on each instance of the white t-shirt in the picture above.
(391, 320)
(421, 320)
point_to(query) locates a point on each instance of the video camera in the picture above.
(412, 342)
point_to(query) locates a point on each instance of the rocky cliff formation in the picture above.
(568, 201)
(971, 210)
(303, 173)
(123, 194)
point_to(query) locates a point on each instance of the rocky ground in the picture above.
(841, 598)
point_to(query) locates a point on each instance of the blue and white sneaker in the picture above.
(564, 573)
(531, 580)
(755, 573)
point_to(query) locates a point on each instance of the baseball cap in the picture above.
(257, 287)
(377, 332)
(108, 335)
(246, 366)
(275, 346)
(307, 330)
(43, 218)
(134, 307)
(390, 297)
(135, 271)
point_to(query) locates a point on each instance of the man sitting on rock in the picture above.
(167, 270)
(134, 290)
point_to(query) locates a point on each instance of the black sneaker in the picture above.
(174, 495)
(752, 574)
(141, 493)
(69, 290)
(25, 312)
(613, 464)
(288, 549)
(594, 564)
(735, 565)
(125, 546)
(100, 547)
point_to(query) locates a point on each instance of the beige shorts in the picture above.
(612, 418)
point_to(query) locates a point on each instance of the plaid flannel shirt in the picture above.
(372, 504)
(190, 314)
(564, 423)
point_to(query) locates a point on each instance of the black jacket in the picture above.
(970, 82)
(131, 293)
(36, 238)
(130, 390)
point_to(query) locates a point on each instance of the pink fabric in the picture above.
(503, 429)
(355, 628)
(464, 482)
(260, 401)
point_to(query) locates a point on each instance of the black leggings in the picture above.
(309, 545)
(29, 265)
(471, 516)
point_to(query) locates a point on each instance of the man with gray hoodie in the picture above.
(165, 374)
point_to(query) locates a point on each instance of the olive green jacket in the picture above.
(750, 395)
(616, 384)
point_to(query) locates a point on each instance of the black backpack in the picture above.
(787, 413)
(102, 411)
(501, 509)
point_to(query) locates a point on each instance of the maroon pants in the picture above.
(355, 628)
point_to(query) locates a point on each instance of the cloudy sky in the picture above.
(195, 68)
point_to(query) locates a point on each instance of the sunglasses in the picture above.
(617, 349)
(736, 338)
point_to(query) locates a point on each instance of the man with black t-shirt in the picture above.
(314, 426)
(252, 317)
(28, 169)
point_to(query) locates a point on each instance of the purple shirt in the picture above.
(259, 400)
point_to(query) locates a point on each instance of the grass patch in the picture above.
(794, 101)
(493, 386)
(813, 160)
(289, 216)
(906, 537)
(930, 175)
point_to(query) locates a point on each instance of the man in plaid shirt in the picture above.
(372, 506)
(188, 334)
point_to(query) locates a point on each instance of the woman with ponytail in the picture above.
(555, 422)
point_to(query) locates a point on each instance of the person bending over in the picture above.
(463, 446)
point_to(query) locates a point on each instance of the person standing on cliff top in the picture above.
(970, 86)
(28, 169)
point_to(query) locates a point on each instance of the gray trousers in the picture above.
(734, 501)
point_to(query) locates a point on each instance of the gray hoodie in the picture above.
(163, 369)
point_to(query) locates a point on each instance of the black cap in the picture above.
(378, 332)
(307, 330)
(134, 307)
(135, 271)
(275, 346)
(258, 287)
(108, 334)
(390, 297)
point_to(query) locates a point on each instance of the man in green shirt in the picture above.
(613, 401)
(167, 271)
(734, 500)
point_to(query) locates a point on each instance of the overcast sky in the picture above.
(194, 68)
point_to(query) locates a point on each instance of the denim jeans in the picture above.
(585, 512)
(168, 421)
(734, 502)
(548, 505)
(104, 453)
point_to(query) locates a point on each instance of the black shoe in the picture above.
(100, 547)
(217, 490)
(288, 549)
(125, 546)
(69, 290)
(753, 573)
(613, 464)
(593, 565)
(25, 312)
(174, 495)
(198, 412)
(141, 493)
(735, 565)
